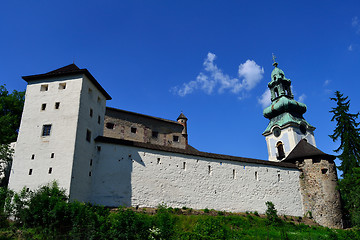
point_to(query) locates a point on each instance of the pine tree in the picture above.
(347, 132)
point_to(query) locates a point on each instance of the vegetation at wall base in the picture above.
(347, 131)
(47, 214)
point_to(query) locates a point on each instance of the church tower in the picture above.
(287, 126)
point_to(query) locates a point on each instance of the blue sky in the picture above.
(210, 59)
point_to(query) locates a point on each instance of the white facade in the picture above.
(289, 137)
(133, 176)
(63, 103)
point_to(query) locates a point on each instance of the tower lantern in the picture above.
(287, 125)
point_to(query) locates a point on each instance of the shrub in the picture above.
(164, 222)
(206, 210)
(271, 213)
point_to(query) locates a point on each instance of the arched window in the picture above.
(276, 92)
(280, 154)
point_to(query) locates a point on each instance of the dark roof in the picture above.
(305, 150)
(65, 71)
(191, 151)
(182, 116)
(139, 114)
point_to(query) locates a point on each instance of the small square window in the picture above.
(90, 91)
(88, 135)
(57, 105)
(62, 86)
(43, 106)
(155, 134)
(110, 125)
(176, 138)
(133, 129)
(30, 171)
(46, 130)
(91, 112)
(44, 87)
(99, 148)
(50, 170)
(52, 155)
(99, 100)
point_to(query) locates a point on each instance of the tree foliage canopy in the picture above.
(348, 132)
(11, 106)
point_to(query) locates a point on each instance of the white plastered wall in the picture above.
(290, 137)
(61, 141)
(126, 175)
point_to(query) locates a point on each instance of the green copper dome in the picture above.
(284, 109)
(283, 105)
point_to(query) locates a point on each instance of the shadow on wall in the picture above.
(112, 177)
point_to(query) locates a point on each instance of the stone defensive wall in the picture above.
(139, 174)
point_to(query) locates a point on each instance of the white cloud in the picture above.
(326, 83)
(302, 98)
(356, 24)
(350, 47)
(265, 99)
(355, 21)
(212, 78)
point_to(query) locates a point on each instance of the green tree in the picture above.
(348, 133)
(11, 106)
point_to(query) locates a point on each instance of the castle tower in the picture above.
(318, 184)
(287, 125)
(183, 121)
(63, 113)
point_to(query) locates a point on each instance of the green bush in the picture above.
(271, 214)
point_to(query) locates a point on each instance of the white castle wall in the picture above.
(126, 175)
(61, 141)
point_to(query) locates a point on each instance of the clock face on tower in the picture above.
(276, 131)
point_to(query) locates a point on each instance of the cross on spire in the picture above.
(274, 59)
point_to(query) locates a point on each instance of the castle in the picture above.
(113, 157)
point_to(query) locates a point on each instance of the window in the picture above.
(133, 129)
(99, 148)
(276, 92)
(43, 106)
(44, 87)
(33, 156)
(90, 162)
(234, 174)
(158, 161)
(90, 174)
(30, 171)
(99, 100)
(46, 130)
(184, 166)
(256, 176)
(62, 86)
(50, 170)
(88, 135)
(209, 170)
(57, 105)
(110, 125)
(90, 91)
(176, 138)
(280, 150)
(99, 119)
(154, 134)
(324, 170)
(91, 112)
(52, 155)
